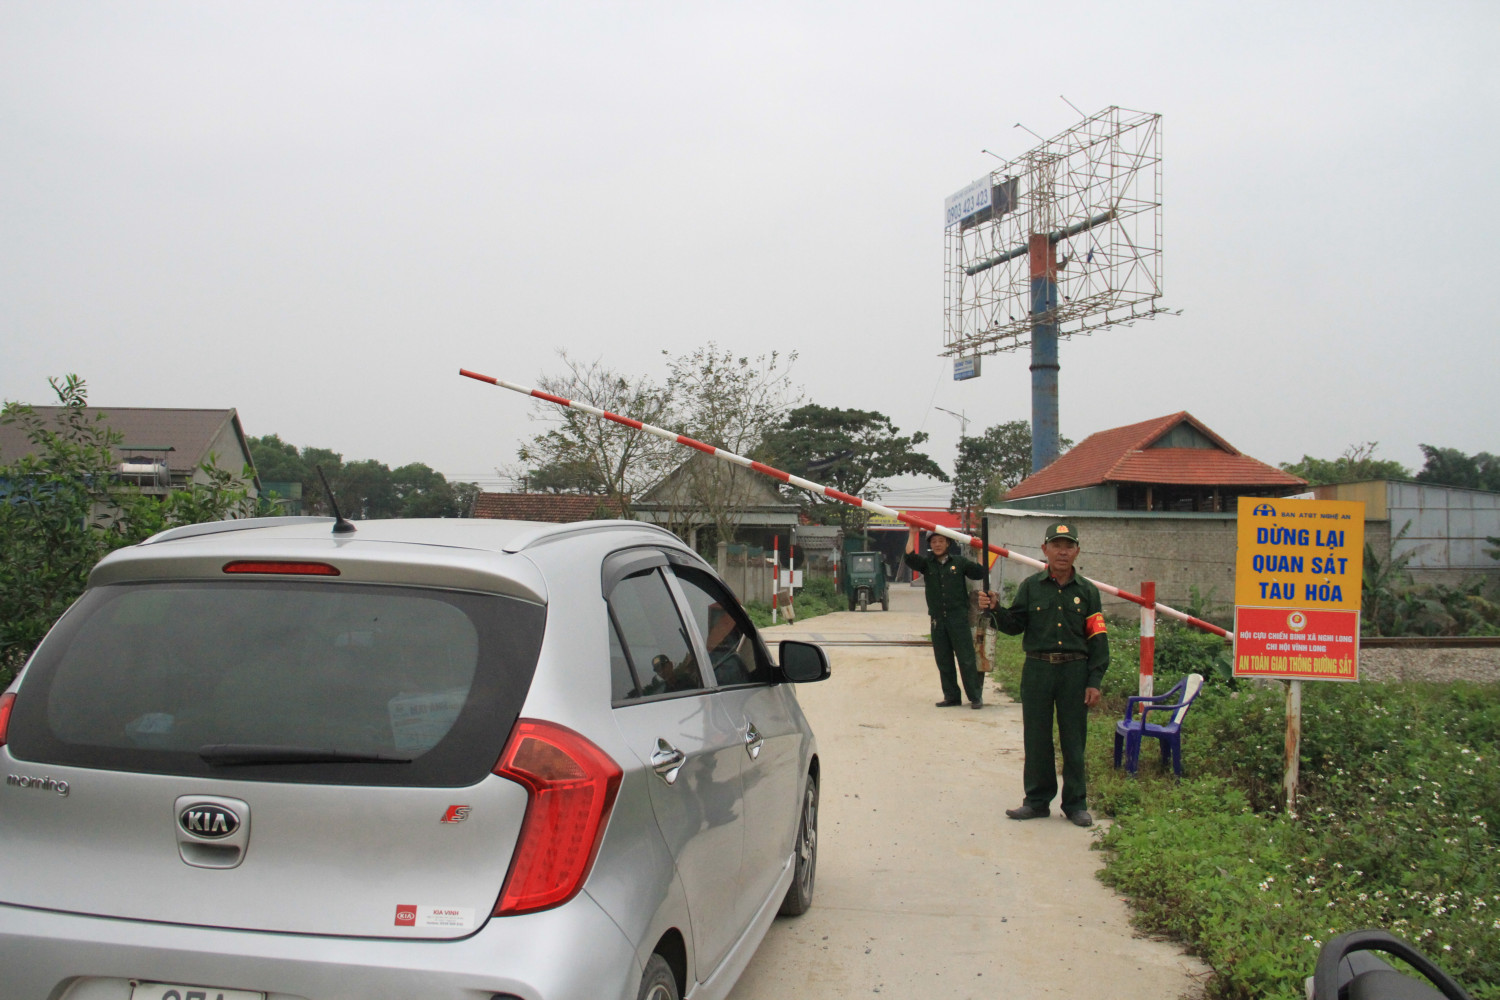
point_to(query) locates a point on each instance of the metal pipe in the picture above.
(827, 491)
(1054, 237)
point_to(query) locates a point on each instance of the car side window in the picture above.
(622, 679)
(733, 653)
(653, 636)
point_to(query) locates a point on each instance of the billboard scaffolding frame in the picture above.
(1095, 192)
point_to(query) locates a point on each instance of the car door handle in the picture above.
(667, 761)
(753, 741)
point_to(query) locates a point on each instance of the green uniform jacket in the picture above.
(1053, 619)
(947, 593)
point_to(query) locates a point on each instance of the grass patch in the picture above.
(817, 598)
(1398, 813)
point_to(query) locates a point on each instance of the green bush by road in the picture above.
(817, 598)
(1397, 820)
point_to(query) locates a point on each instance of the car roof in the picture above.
(454, 553)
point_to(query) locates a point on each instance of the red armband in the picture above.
(1094, 625)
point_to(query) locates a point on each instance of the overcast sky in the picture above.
(317, 213)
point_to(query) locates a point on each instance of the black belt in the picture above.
(1057, 657)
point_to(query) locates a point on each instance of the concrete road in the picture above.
(924, 888)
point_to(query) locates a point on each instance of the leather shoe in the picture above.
(949, 704)
(1081, 818)
(977, 703)
(1026, 811)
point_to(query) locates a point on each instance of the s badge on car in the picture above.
(204, 819)
(456, 814)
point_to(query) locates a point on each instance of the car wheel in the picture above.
(658, 983)
(799, 895)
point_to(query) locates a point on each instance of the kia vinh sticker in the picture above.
(408, 915)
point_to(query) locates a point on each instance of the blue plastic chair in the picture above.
(1129, 731)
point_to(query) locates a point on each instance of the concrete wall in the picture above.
(1178, 550)
(1481, 664)
(1124, 548)
(745, 569)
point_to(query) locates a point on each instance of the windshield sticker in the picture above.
(151, 729)
(419, 721)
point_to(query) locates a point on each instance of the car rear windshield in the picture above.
(281, 681)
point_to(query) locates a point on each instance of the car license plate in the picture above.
(176, 991)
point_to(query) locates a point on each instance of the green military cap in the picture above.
(1059, 529)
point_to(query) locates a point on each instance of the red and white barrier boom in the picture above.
(853, 501)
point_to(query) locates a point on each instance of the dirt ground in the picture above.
(923, 886)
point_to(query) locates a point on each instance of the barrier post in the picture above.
(775, 574)
(1148, 639)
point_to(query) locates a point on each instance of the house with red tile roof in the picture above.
(1153, 500)
(1170, 463)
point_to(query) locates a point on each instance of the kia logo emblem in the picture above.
(208, 821)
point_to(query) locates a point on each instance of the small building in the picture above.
(1154, 500)
(161, 449)
(678, 504)
(1171, 463)
(552, 508)
(1445, 530)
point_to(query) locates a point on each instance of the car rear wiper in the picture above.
(236, 754)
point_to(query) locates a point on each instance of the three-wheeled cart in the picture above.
(864, 582)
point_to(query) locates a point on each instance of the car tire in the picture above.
(864, 600)
(658, 983)
(799, 894)
(885, 603)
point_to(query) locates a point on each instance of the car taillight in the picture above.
(7, 701)
(571, 785)
(285, 568)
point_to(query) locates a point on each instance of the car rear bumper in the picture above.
(574, 952)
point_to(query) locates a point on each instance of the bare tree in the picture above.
(587, 454)
(731, 402)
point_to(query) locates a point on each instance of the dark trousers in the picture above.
(952, 637)
(1049, 689)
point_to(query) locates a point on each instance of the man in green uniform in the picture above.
(946, 574)
(1060, 618)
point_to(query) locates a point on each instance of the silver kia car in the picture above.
(418, 759)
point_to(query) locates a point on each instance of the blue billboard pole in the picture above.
(1045, 443)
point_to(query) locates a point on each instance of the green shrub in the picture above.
(1398, 815)
(818, 597)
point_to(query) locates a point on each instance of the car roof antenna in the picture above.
(340, 525)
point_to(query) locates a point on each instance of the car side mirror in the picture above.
(802, 662)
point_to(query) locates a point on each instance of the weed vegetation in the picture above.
(817, 598)
(1396, 819)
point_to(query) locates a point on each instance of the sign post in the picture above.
(1297, 582)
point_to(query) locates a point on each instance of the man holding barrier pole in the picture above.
(1060, 617)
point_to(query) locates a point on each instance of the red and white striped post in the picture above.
(775, 574)
(905, 517)
(791, 576)
(1148, 639)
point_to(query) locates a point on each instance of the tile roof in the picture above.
(1124, 455)
(555, 508)
(189, 432)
